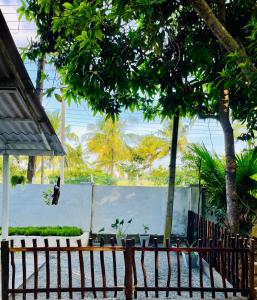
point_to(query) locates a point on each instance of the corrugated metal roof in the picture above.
(24, 126)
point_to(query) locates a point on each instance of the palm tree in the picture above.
(55, 119)
(151, 148)
(212, 174)
(166, 134)
(107, 142)
(74, 157)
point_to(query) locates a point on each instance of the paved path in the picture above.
(41, 257)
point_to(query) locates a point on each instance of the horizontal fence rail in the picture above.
(128, 271)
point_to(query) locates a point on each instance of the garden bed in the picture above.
(45, 231)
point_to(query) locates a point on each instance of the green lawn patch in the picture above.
(45, 231)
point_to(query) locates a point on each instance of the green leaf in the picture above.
(58, 97)
(68, 5)
(99, 34)
(49, 92)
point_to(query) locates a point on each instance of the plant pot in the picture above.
(96, 243)
(194, 259)
(144, 237)
(120, 238)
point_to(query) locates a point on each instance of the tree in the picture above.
(159, 176)
(75, 166)
(156, 57)
(135, 165)
(167, 131)
(71, 137)
(151, 148)
(219, 30)
(212, 174)
(55, 119)
(108, 144)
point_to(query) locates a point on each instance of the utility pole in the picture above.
(39, 88)
(62, 139)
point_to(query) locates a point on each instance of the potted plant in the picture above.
(121, 229)
(48, 196)
(97, 240)
(194, 257)
(145, 236)
(16, 179)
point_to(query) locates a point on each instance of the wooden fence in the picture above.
(200, 228)
(231, 263)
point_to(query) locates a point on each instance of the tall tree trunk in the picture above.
(229, 43)
(172, 177)
(31, 168)
(231, 194)
(39, 87)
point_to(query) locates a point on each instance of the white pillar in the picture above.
(5, 200)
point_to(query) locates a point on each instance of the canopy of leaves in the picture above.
(116, 54)
(156, 56)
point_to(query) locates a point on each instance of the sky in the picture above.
(79, 117)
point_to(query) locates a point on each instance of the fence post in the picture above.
(251, 270)
(128, 270)
(5, 268)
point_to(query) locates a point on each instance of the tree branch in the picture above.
(224, 37)
(204, 117)
(221, 33)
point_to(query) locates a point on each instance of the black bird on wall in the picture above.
(56, 194)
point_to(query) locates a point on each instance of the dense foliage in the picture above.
(154, 56)
(212, 176)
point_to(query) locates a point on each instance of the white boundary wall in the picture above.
(27, 206)
(146, 205)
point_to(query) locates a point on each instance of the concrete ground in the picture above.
(41, 258)
(51, 240)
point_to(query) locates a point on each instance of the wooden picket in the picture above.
(237, 260)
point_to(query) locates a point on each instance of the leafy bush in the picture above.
(254, 231)
(45, 231)
(104, 179)
(212, 174)
(78, 179)
(159, 176)
(18, 179)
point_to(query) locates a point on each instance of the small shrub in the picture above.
(45, 231)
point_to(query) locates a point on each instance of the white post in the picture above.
(5, 200)
(62, 139)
